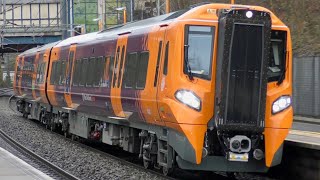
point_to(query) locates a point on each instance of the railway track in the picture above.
(47, 167)
(124, 159)
(87, 146)
(6, 92)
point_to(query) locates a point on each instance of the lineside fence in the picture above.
(306, 87)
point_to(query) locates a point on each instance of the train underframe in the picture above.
(153, 144)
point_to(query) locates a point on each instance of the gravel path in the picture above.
(77, 160)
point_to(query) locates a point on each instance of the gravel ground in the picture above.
(69, 156)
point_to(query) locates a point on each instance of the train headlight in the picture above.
(189, 98)
(281, 104)
(249, 14)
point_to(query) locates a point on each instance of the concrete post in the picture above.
(63, 17)
(131, 9)
(71, 17)
(8, 79)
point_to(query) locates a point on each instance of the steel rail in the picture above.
(24, 150)
(106, 154)
(122, 161)
(4, 91)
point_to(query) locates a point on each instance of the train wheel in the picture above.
(25, 115)
(231, 175)
(65, 134)
(146, 164)
(167, 171)
(73, 137)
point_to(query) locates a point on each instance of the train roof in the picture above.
(121, 29)
(191, 12)
(39, 48)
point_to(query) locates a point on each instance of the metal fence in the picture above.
(306, 86)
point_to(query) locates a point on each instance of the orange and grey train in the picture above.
(206, 88)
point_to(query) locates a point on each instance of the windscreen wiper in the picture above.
(283, 73)
(282, 76)
(186, 61)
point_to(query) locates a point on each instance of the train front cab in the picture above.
(234, 109)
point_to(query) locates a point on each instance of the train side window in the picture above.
(41, 72)
(142, 70)
(110, 71)
(166, 57)
(84, 68)
(198, 51)
(76, 73)
(105, 71)
(57, 76)
(277, 62)
(90, 72)
(121, 65)
(18, 70)
(116, 67)
(98, 70)
(101, 66)
(130, 70)
(57, 72)
(38, 73)
(157, 66)
(63, 73)
(53, 73)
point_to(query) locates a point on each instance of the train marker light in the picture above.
(281, 104)
(249, 14)
(188, 98)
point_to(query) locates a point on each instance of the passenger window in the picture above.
(142, 70)
(121, 65)
(130, 70)
(91, 72)
(38, 73)
(110, 71)
(166, 56)
(157, 66)
(58, 73)
(53, 73)
(102, 68)
(63, 73)
(41, 72)
(76, 73)
(84, 68)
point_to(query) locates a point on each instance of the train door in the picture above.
(162, 77)
(35, 90)
(116, 82)
(158, 48)
(18, 76)
(69, 70)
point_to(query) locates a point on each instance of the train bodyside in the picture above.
(30, 79)
(150, 89)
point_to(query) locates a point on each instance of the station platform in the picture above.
(13, 168)
(305, 134)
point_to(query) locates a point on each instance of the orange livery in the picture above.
(206, 88)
